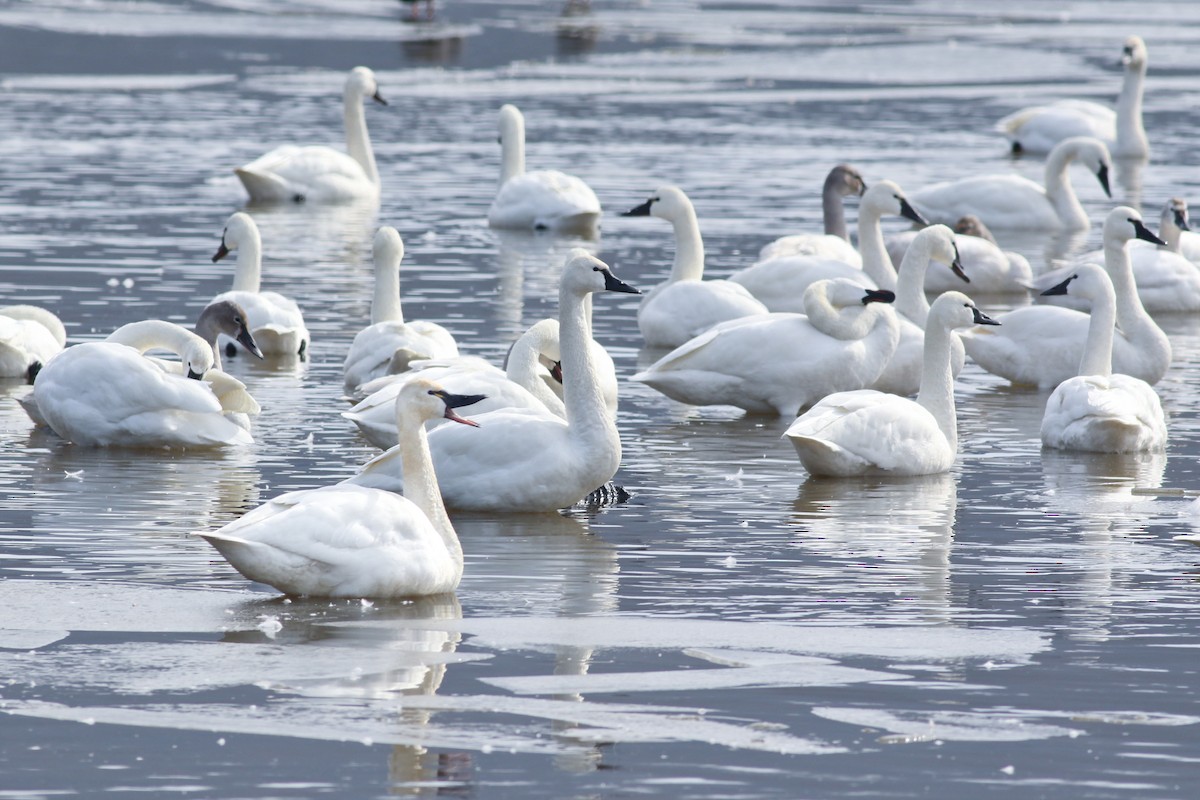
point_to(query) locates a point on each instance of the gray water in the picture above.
(1023, 626)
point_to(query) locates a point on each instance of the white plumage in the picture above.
(29, 337)
(992, 270)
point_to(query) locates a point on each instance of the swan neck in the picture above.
(1131, 135)
(910, 283)
(937, 382)
(358, 142)
(207, 330)
(1097, 351)
(834, 212)
(1131, 314)
(385, 305)
(689, 248)
(512, 153)
(1061, 194)
(247, 275)
(524, 369)
(420, 481)
(875, 259)
(153, 334)
(847, 322)
(588, 420)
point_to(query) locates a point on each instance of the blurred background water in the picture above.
(1021, 626)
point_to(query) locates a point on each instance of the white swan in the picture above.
(1013, 201)
(1175, 230)
(106, 393)
(29, 337)
(1098, 411)
(530, 461)
(1167, 280)
(869, 432)
(389, 344)
(992, 270)
(1038, 129)
(780, 363)
(841, 182)
(318, 173)
(275, 320)
(1043, 345)
(780, 283)
(351, 541)
(548, 365)
(542, 200)
(686, 305)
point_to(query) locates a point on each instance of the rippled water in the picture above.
(1022, 626)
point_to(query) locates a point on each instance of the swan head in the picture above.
(1134, 53)
(886, 197)
(229, 318)
(955, 310)
(667, 202)
(511, 124)
(240, 229)
(387, 249)
(1175, 213)
(197, 357)
(428, 400)
(1124, 223)
(971, 225)
(846, 180)
(939, 240)
(361, 82)
(1088, 281)
(1090, 152)
(584, 274)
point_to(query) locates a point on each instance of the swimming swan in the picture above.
(29, 337)
(779, 363)
(275, 320)
(318, 173)
(1043, 345)
(841, 182)
(870, 433)
(530, 461)
(390, 344)
(1097, 411)
(1013, 201)
(1167, 280)
(686, 305)
(351, 541)
(992, 270)
(1038, 129)
(780, 283)
(542, 200)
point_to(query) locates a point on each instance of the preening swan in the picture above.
(318, 173)
(1012, 201)
(992, 270)
(780, 363)
(545, 199)
(389, 344)
(686, 305)
(108, 394)
(29, 337)
(275, 320)
(1098, 411)
(1038, 129)
(842, 181)
(1043, 345)
(869, 432)
(530, 461)
(351, 541)
(780, 283)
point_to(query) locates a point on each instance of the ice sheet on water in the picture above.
(30, 639)
(111, 83)
(960, 726)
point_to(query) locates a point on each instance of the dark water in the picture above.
(1023, 626)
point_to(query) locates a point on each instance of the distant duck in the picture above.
(350, 541)
(29, 337)
(389, 344)
(275, 321)
(1098, 411)
(540, 200)
(318, 173)
(992, 270)
(1038, 129)
(842, 181)
(686, 305)
(1015, 202)
(873, 433)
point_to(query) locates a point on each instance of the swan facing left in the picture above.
(351, 541)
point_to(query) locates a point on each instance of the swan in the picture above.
(108, 394)
(1013, 201)
(780, 282)
(275, 320)
(1174, 229)
(1098, 411)
(686, 304)
(318, 173)
(782, 362)
(992, 270)
(1038, 129)
(520, 460)
(29, 337)
(351, 541)
(548, 365)
(1043, 345)
(869, 433)
(1166, 279)
(545, 199)
(841, 182)
(390, 344)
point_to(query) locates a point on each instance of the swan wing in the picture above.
(542, 199)
(391, 347)
(818, 245)
(299, 173)
(1001, 201)
(675, 312)
(1098, 413)
(1039, 128)
(779, 283)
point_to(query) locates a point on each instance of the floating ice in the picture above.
(958, 726)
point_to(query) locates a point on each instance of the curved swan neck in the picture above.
(53, 324)
(358, 143)
(524, 367)
(151, 334)
(1131, 135)
(937, 382)
(689, 247)
(420, 481)
(385, 305)
(875, 259)
(850, 323)
(588, 419)
(1059, 191)
(833, 209)
(1097, 351)
(247, 275)
(208, 330)
(910, 282)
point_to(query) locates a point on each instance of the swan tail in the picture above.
(1012, 124)
(824, 458)
(267, 187)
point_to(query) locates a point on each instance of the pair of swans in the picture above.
(1038, 129)
(527, 460)
(1167, 276)
(29, 337)
(868, 432)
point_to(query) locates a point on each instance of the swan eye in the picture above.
(595, 269)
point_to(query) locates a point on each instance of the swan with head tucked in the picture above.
(351, 541)
(389, 344)
(108, 394)
(521, 460)
(29, 337)
(275, 320)
(779, 283)
(1098, 411)
(542, 200)
(686, 305)
(782, 362)
(1038, 129)
(318, 173)
(870, 433)
(1043, 345)
(1013, 201)
(992, 270)
(842, 181)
